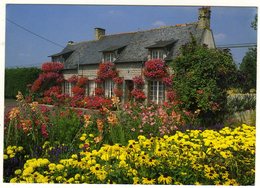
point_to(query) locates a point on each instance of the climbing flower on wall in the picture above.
(155, 68)
(107, 70)
(52, 67)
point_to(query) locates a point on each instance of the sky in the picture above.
(62, 23)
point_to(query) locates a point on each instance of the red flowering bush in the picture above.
(98, 81)
(36, 85)
(99, 91)
(171, 95)
(54, 90)
(168, 81)
(82, 81)
(118, 92)
(107, 70)
(118, 80)
(73, 79)
(155, 68)
(96, 102)
(52, 67)
(138, 80)
(76, 90)
(138, 94)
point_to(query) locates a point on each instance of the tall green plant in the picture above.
(202, 76)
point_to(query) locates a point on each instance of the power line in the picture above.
(14, 23)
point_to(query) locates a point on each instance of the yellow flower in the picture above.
(82, 138)
(59, 167)
(5, 156)
(165, 180)
(136, 180)
(148, 181)
(17, 172)
(19, 96)
(59, 178)
(34, 106)
(13, 180)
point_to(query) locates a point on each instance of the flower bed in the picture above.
(183, 158)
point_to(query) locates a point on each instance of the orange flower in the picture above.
(115, 100)
(98, 138)
(87, 120)
(26, 125)
(100, 125)
(34, 106)
(14, 113)
(112, 119)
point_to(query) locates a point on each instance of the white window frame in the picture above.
(157, 91)
(109, 57)
(109, 86)
(157, 54)
(91, 88)
(67, 88)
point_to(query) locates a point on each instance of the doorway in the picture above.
(129, 86)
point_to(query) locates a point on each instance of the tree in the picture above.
(202, 76)
(248, 70)
(248, 65)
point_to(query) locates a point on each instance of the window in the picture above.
(157, 54)
(91, 87)
(109, 57)
(67, 88)
(109, 85)
(156, 92)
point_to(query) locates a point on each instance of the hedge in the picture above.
(17, 79)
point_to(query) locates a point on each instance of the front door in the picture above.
(129, 86)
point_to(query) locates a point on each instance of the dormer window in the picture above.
(157, 54)
(109, 57)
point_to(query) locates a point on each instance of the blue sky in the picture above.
(62, 23)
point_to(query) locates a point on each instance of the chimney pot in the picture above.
(70, 42)
(99, 33)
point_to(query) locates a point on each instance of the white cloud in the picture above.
(220, 37)
(159, 23)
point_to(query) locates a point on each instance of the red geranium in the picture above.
(118, 92)
(73, 79)
(138, 80)
(168, 81)
(96, 102)
(155, 68)
(99, 91)
(54, 90)
(52, 67)
(138, 94)
(118, 80)
(82, 81)
(76, 90)
(107, 70)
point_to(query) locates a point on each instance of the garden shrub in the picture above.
(17, 79)
(201, 78)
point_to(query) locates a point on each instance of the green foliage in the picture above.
(248, 70)
(254, 23)
(17, 79)
(241, 102)
(202, 77)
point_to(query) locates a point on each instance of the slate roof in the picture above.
(135, 45)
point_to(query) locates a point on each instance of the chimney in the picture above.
(70, 42)
(99, 33)
(204, 18)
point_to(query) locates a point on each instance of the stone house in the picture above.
(129, 52)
